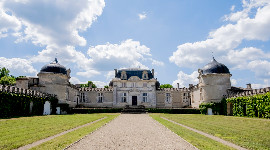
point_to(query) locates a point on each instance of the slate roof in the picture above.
(54, 67)
(134, 72)
(215, 67)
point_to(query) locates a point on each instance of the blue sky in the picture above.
(174, 37)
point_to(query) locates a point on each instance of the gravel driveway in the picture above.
(132, 131)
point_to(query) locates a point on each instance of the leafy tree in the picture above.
(106, 86)
(4, 72)
(166, 86)
(5, 78)
(89, 84)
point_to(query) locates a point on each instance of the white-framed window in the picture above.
(82, 97)
(134, 84)
(145, 97)
(124, 98)
(144, 84)
(100, 97)
(124, 84)
(168, 97)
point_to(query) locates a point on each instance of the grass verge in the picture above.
(251, 133)
(196, 139)
(18, 132)
(65, 140)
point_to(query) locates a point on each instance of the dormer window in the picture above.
(124, 75)
(145, 75)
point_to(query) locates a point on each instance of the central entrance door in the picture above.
(134, 100)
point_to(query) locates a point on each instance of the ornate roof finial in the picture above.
(55, 60)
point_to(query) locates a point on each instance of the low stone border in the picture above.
(208, 135)
(25, 147)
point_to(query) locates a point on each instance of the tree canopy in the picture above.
(5, 78)
(166, 86)
(89, 84)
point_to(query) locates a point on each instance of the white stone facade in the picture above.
(132, 86)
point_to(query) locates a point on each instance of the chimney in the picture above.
(153, 73)
(115, 70)
(249, 86)
(178, 85)
(190, 85)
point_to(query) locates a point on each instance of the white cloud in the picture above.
(251, 23)
(100, 84)
(75, 80)
(55, 22)
(239, 59)
(7, 22)
(185, 79)
(266, 83)
(88, 73)
(128, 53)
(18, 66)
(110, 75)
(142, 16)
(233, 82)
(260, 67)
(233, 7)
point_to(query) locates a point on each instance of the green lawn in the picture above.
(17, 132)
(65, 140)
(251, 133)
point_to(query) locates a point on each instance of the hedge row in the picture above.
(251, 106)
(95, 110)
(174, 111)
(217, 108)
(12, 104)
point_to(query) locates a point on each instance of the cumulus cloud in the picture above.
(100, 84)
(128, 53)
(233, 82)
(185, 79)
(266, 83)
(250, 23)
(18, 66)
(142, 16)
(54, 22)
(260, 67)
(8, 22)
(225, 38)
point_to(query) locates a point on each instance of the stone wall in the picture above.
(29, 92)
(250, 92)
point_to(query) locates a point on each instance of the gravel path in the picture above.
(133, 131)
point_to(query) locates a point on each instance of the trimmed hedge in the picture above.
(251, 106)
(12, 104)
(174, 111)
(217, 108)
(95, 110)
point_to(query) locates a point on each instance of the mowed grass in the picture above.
(196, 139)
(65, 140)
(251, 133)
(18, 132)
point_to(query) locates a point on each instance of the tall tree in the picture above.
(5, 78)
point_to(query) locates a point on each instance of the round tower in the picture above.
(214, 81)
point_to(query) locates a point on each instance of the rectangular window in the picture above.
(145, 97)
(168, 97)
(124, 98)
(134, 84)
(144, 84)
(100, 97)
(82, 97)
(124, 84)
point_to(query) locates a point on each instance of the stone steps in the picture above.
(134, 110)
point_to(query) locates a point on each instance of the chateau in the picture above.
(132, 86)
